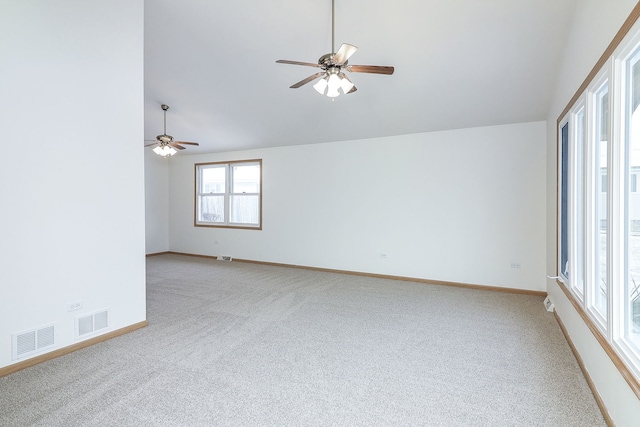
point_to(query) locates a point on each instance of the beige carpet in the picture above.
(236, 344)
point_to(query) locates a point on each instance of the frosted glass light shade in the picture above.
(333, 85)
(346, 85)
(321, 86)
(165, 151)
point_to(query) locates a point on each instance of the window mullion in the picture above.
(617, 239)
(591, 175)
(227, 191)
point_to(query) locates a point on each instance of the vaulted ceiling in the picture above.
(458, 63)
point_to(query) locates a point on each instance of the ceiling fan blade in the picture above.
(186, 143)
(286, 61)
(353, 89)
(175, 145)
(307, 80)
(374, 69)
(149, 145)
(344, 53)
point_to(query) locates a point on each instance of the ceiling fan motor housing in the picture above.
(164, 139)
(326, 61)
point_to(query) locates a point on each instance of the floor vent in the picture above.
(89, 324)
(224, 258)
(33, 341)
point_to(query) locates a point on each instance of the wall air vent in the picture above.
(224, 258)
(88, 324)
(31, 342)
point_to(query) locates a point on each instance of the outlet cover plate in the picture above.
(73, 306)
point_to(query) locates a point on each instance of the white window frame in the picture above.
(227, 195)
(562, 277)
(576, 193)
(593, 181)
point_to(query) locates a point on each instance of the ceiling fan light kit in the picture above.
(165, 145)
(332, 79)
(332, 83)
(165, 151)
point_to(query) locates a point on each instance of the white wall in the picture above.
(457, 206)
(71, 183)
(594, 26)
(156, 179)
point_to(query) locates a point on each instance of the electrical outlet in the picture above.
(216, 242)
(515, 265)
(73, 306)
(384, 255)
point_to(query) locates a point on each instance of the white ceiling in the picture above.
(458, 63)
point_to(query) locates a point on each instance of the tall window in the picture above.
(564, 202)
(631, 207)
(572, 140)
(578, 199)
(229, 194)
(599, 203)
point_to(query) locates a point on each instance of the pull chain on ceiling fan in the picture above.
(166, 146)
(333, 80)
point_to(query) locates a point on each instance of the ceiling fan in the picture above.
(332, 66)
(166, 146)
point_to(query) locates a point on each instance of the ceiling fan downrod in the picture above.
(333, 27)
(165, 107)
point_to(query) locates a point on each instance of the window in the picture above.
(631, 206)
(578, 199)
(599, 202)
(573, 134)
(564, 202)
(229, 194)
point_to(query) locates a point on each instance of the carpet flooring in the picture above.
(236, 344)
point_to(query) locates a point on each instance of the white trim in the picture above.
(593, 194)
